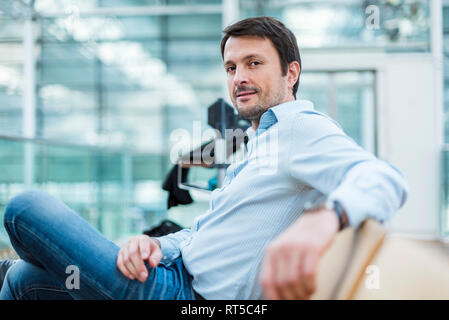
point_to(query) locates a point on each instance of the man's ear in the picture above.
(293, 73)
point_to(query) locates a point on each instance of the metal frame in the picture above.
(29, 102)
(58, 143)
(189, 186)
(436, 41)
(134, 11)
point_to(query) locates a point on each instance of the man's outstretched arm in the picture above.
(323, 157)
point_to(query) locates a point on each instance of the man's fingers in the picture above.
(310, 269)
(300, 288)
(267, 277)
(128, 263)
(288, 276)
(127, 259)
(131, 257)
(144, 245)
(293, 275)
(121, 266)
(136, 260)
(156, 254)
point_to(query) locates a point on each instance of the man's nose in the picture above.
(240, 77)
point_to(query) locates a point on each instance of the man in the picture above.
(256, 240)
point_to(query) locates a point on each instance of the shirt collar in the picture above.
(280, 112)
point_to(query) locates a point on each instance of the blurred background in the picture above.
(91, 91)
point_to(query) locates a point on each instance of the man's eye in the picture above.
(255, 63)
(230, 69)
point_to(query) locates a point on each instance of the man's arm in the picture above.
(331, 162)
(325, 158)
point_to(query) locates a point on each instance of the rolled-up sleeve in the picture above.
(324, 157)
(172, 243)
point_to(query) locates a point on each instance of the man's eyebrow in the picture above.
(248, 57)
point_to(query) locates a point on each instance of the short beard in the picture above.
(253, 114)
(256, 112)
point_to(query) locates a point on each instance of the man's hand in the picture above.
(131, 257)
(291, 260)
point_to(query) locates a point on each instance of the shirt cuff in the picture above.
(168, 249)
(356, 210)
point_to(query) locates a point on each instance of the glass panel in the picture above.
(355, 106)
(313, 86)
(393, 25)
(11, 75)
(348, 97)
(98, 184)
(194, 25)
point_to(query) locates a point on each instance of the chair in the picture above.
(407, 268)
(343, 265)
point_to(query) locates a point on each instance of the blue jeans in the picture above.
(57, 247)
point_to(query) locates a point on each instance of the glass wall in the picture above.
(129, 80)
(131, 85)
(103, 81)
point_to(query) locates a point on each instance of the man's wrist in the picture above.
(340, 212)
(323, 202)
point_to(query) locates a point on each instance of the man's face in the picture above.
(254, 75)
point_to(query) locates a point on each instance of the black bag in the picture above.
(164, 228)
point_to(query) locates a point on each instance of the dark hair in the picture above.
(266, 27)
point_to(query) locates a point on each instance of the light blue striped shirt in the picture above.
(295, 155)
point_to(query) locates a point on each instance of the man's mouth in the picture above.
(246, 94)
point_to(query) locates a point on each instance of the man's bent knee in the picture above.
(24, 202)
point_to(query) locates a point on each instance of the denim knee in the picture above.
(23, 202)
